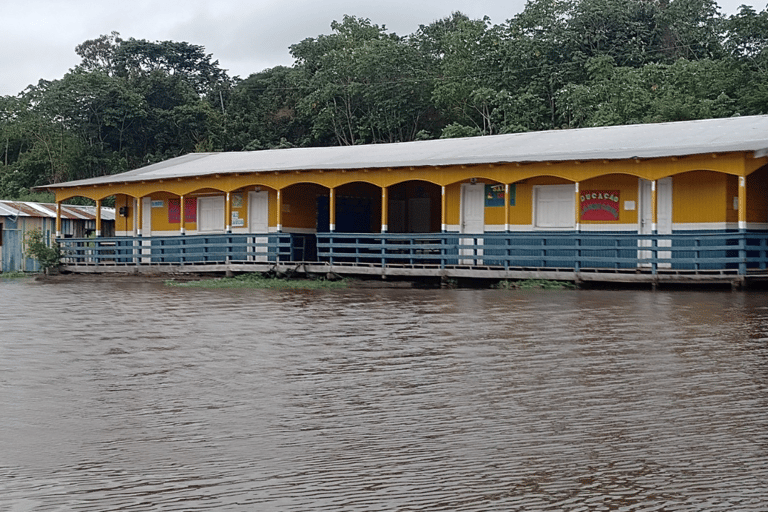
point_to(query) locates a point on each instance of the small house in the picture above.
(17, 218)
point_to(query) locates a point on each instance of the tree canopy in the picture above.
(558, 64)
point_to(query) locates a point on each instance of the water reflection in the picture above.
(119, 395)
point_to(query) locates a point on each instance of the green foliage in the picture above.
(557, 64)
(13, 275)
(531, 284)
(261, 281)
(48, 257)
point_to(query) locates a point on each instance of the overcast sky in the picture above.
(38, 37)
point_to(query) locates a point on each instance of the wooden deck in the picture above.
(419, 271)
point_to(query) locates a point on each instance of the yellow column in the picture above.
(384, 209)
(139, 216)
(654, 208)
(578, 207)
(98, 218)
(332, 209)
(228, 214)
(506, 207)
(742, 202)
(443, 211)
(182, 214)
(58, 219)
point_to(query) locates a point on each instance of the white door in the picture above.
(258, 222)
(663, 217)
(210, 214)
(146, 229)
(472, 219)
(555, 206)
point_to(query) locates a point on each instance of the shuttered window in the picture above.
(555, 207)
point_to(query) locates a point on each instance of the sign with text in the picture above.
(494, 195)
(190, 210)
(599, 205)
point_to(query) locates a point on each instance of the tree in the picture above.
(360, 84)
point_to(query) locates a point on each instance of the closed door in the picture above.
(210, 214)
(472, 221)
(663, 219)
(258, 222)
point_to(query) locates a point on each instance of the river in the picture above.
(124, 395)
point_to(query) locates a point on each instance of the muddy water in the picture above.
(135, 396)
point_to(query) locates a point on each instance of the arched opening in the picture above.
(357, 209)
(414, 207)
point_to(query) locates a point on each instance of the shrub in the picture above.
(37, 249)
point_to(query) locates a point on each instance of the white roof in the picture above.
(749, 133)
(68, 211)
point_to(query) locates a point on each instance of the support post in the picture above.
(98, 218)
(58, 219)
(506, 207)
(577, 213)
(742, 203)
(182, 216)
(654, 230)
(279, 211)
(331, 209)
(384, 209)
(443, 210)
(228, 213)
(742, 225)
(139, 215)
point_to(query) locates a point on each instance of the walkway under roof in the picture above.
(735, 134)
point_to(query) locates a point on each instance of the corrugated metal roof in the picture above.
(748, 133)
(68, 211)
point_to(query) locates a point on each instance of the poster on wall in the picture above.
(190, 210)
(494, 195)
(599, 205)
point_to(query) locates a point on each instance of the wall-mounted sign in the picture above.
(494, 195)
(158, 203)
(190, 210)
(599, 205)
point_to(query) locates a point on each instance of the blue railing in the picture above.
(738, 252)
(695, 251)
(219, 248)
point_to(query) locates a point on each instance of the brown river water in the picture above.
(135, 396)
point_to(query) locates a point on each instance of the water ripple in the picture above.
(134, 396)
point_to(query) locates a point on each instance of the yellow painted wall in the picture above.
(300, 205)
(757, 196)
(731, 192)
(699, 197)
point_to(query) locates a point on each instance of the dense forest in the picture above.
(559, 64)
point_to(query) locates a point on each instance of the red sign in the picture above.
(190, 210)
(599, 205)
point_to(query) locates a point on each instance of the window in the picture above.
(554, 207)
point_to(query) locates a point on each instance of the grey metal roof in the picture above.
(48, 210)
(749, 133)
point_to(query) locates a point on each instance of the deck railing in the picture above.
(736, 252)
(179, 250)
(716, 251)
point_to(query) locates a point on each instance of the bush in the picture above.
(37, 249)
